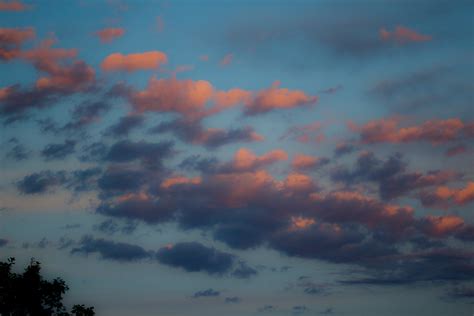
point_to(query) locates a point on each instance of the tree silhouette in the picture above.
(28, 294)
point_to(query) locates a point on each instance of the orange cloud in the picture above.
(134, 62)
(13, 6)
(187, 97)
(224, 99)
(299, 222)
(298, 182)
(109, 34)
(11, 40)
(227, 60)
(277, 98)
(388, 130)
(169, 182)
(403, 35)
(244, 159)
(439, 226)
(303, 162)
(443, 195)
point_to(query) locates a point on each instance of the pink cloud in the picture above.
(109, 34)
(390, 131)
(186, 97)
(134, 62)
(11, 40)
(13, 6)
(244, 159)
(444, 196)
(227, 60)
(277, 98)
(179, 180)
(455, 150)
(303, 162)
(204, 58)
(403, 35)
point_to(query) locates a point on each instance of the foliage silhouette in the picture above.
(28, 294)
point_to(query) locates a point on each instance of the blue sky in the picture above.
(241, 157)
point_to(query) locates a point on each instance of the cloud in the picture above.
(227, 60)
(160, 24)
(60, 75)
(391, 176)
(3, 242)
(439, 226)
(233, 299)
(13, 5)
(299, 309)
(403, 35)
(306, 133)
(441, 264)
(11, 40)
(244, 271)
(303, 162)
(58, 151)
(277, 98)
(206, 293)
(134, 62)
(456, 150)
(461, 292)
(111, 227)
(185, 97)
(343, 148)
(110, 250)
(434, 131)
(107, 35)
(40, 182)
(121, 179)
(444, 196)
(194, 257)
(17, 151)
(149, 153)
(125, 125)
(193, 132)
(246, 160)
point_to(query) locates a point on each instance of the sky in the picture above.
(241, 157)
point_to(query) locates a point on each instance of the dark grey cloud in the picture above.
(125, 125)
(442, 264)
(193, 132)
(233, 299)
(93, 152)
(461, 292)
(299, 309)
(3, 242)
(391, 175)
(118, 179)
(111, 250)
(206, 293)
(41, 182)
(150, 154)
(59, 151)
(244, 271)
(426, 90)
(111, 227)
(198, 163)
(344, 149)
(194, 257)
(266, 309)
